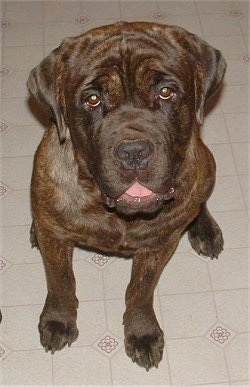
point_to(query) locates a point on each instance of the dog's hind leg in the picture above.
(205, 235)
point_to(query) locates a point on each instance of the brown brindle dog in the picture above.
(122, 168)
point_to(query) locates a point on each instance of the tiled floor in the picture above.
(201, 304)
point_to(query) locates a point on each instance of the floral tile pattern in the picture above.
(108, 344)
(202, 305)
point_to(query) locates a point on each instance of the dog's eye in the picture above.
(93, 100)
(166, 93)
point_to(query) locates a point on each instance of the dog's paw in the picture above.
(207, 241)
(54, 335)
(145, 350)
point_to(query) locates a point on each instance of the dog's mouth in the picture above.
(138, 198)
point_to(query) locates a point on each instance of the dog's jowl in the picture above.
(121, 168)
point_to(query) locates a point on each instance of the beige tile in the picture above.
(28, 277)
(16, 172)
(130, 9)
(15, 245)
(86, 275)
(21, 333)
(230, 271)
(234, 99)
(14, 85)
(220, 24)
(237, 72)
(241, 153)
(61, 10)
(15, 209)
(187, 315)
(116, 278)
(27, 368)
(21, 141)
(55, 32)
(225, 165)
(24, 35)
(198, 360)
(28, 57)
(232, 308)
(245, 185)
(227, 194)
(214, 130)
(184, 273)
(215, 7)
(73, 366)
(232, 47)
(178, 7)
(17, 112)
(237, 124)
(91, 322)
(237, 357)
(125, 372)
(234, 226)
(25, 11)
(189, 22)
(99, 9)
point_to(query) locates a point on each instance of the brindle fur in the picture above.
(75, 166)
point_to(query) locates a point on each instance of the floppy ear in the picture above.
(42, 85)
(210, 67)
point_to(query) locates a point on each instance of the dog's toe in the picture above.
(146, 350)
(55, 335)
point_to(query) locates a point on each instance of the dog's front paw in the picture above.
(57, 331)
(145, 350)
(144, 340)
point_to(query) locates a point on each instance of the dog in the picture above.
(121, 168)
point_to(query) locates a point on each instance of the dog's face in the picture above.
(132, 97)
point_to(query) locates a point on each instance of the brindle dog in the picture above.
(121, 168)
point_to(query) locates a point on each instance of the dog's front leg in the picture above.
(143, 336)
(57, 324)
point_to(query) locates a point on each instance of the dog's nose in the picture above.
(133, 154)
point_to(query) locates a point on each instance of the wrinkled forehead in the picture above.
(128, 52)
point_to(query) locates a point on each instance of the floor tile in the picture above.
(28, 277)
(91, 322)
(232, 201)
(73, 366)
(15, 245)
(214, 130)
(230, 271)
(237, 124)
(225, 164)
(199, 355)
(232, 307)
(174, 279)
(220, 24)
(125, 372)
(21, 333)
(20, 141)
(187, 315)
(237, 357)
(24, 35)
(16, 172)
(55, 11)
(31, 368)
(25, 11)
(234, 226)
(15, 208)
(240, 152)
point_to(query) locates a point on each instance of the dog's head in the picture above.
(132, 97)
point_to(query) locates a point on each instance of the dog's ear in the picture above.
(42, 84)
(209, 69)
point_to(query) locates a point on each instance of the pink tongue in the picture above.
(138, 190)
